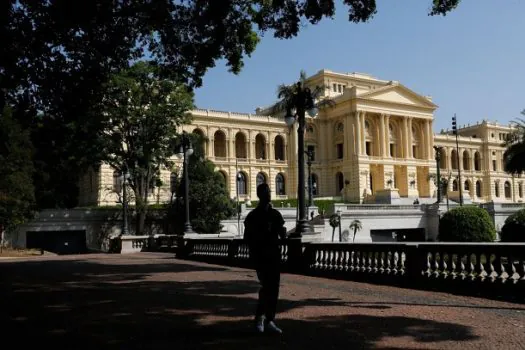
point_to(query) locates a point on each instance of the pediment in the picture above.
(397, 93)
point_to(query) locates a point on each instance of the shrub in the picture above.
(514, 228)
(466, 224)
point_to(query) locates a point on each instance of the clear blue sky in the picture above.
(472, 62)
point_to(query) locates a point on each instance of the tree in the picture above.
(56, 56)
(514, 155)
(356, 226)
(209, 199)
(514, 228)
(143, 112)
(466, 224)
(335, 221)
(16, 171)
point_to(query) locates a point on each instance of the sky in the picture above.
(472, 61)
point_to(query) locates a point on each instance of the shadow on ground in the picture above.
(80, 304)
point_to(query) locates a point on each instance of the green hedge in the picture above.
(514, 228)
(466, 224)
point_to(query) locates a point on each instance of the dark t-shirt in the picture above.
(262, 231)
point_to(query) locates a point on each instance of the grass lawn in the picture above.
(10, 252)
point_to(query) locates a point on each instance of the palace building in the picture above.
(376, 145)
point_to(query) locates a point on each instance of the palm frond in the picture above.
(514, 158)
(302, 76)
(325, 102)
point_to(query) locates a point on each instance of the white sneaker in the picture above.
(271, 327)
(259, 325)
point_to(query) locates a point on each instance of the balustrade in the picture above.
(466, 264)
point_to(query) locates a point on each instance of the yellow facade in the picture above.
(377, 139)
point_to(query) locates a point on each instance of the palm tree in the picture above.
(356, 226)
(514, 156)
(288, 93)
(334, 221)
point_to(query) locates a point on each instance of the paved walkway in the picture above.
(152, 301)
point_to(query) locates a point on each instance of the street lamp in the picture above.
(301, 102)
(438, 162)
(124, 177)
(455, 130)
(185, 151)
(310, 157)
(237, 183)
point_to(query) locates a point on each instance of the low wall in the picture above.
(99, 225)
(377, 217)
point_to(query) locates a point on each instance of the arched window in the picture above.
(224, 178)
(455, 185)
(520, 190)
(466, 160)
(260, 146)
(467, 186)
(443, 159)
(508, 192)
(478, 189)
(117, 181)
(315, 184)
(242, 183)
(454, 159)
(202, 138)
(260, 179)
(340, 182)
(279, 148)
(496, 188)
(477, 161)
(280, 188)
(219, 144)
(240, 146)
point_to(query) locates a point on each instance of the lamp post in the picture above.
(124, 177)
(302, 102)
(455, 130)
(185, 151)
(310, 156)
(438, 161)
(237, 183)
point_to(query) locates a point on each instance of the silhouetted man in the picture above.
(263, 227)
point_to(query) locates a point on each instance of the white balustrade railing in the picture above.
(464, 264)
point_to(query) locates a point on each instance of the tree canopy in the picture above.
(209, 199)
(142, 113)
(514, 156)
(57, 54)
(16, 170)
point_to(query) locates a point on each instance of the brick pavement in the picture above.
(152, 301)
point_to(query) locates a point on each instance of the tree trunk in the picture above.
(141, 206)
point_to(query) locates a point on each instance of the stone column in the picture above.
(347, 131)
(430, 140)
(358, 138)
(251, 147)
(387, 136)
(363, 132)
(404, 133)
(212, 147)
(382, 135)
(410, 153)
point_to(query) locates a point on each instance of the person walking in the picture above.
(263, 227)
